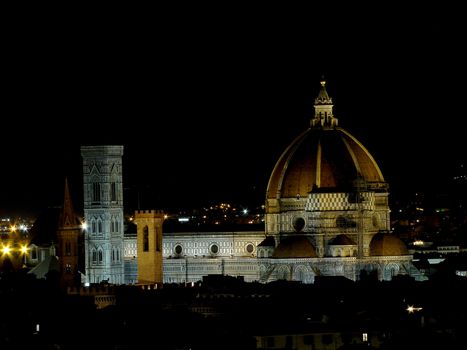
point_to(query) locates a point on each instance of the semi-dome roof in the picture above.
(384, 244)
(295, 247)
(342, 239)
(324, 158)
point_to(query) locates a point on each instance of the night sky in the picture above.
(206, 101)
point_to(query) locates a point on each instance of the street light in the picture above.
(24, 250)
(411, 309)
(6, 250)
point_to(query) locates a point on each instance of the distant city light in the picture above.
(84, 226)
(24, 249)
(6, 250)
(411, 309)
(245, 211)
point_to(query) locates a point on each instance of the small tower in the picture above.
(68, 237)
(149, 245)
(323, 110)
(103, 212)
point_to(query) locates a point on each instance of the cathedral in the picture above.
(327, 214)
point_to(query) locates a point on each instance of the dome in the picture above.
(295, 247)
(324, 158)
(268, 242)
(342, 240)
(387, 244)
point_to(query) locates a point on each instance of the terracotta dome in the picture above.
(387, 244)
(323, 158)
(295, 247)
(342, 240)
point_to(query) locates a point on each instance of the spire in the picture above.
(323, 109)
(67, 217)
(323, 97)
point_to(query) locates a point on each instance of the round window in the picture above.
(178, 249)
(250, 248)
(214, 249)
(298, 224)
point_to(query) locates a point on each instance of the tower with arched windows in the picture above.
(103, 213)
(149, 245)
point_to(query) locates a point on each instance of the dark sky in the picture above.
(206, 99)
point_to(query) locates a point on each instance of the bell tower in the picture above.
(149, 245)
(103, 213)
(68, 238)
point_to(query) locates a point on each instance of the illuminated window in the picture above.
(68, 268)
(364, 336)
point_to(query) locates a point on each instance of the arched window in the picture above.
(118, 254)
(145, 239)
(96, 192)
(67, 248)
(99, 226)
(283, 273)
(113, 254)
(94, 256)
(34, 253)
(113, 192)
(112, 225)
(100, 256)
(93, 226)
